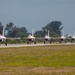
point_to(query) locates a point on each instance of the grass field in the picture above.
(44, 60)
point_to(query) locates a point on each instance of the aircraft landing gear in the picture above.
(65, 41)
(34, 42)
(47, 42)
(29, 42)
(6, 43)
(72, 41)
(44, 42)
(50, 41)
(61, 41)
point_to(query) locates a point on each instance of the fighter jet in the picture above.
(31, 38)
(62, 38)
(3, 38)
(47, 38)
(73, 39)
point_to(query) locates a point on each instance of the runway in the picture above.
(32, 45)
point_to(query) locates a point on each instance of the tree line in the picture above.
(11, 30)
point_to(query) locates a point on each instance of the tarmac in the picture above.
(32, 45)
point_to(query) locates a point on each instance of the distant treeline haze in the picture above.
(12, 30)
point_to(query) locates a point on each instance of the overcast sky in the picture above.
(38, 13)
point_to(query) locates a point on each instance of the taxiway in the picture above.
(29, 45)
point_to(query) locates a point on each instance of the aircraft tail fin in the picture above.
(62, 34)
(3, 32)
(32, 32)
(48, 33)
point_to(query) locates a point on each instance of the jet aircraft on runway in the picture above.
(3, 38)
(73, 39)
(47, 38)
(31, 38)
(62, 38)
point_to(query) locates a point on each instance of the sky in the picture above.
(35, 14)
